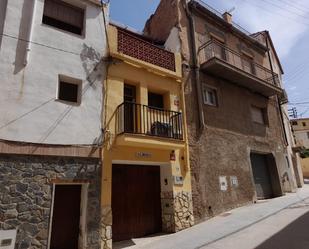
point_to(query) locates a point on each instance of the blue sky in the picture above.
(287, 21)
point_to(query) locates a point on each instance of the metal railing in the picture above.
(213, 49)
(141, 119)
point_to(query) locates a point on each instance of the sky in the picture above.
(287, 21)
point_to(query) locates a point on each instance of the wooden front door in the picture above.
(136, 202)
(66, 217)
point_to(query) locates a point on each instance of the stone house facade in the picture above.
(237, 139)
(52, 68)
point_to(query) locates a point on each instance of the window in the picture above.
(258, 115)
(304, 124)
(155, 100)
(294, 123)
(63, 16)
(247, 63)
(69, 90)
(210, 96)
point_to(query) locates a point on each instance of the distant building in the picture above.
(301, 134)
(239, 148)
(52, 67)
(301, 131)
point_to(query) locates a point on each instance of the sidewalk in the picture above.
(218, 227)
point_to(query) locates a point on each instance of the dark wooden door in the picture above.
(261, 176)
(129, 108)
(136, 201)
(66, 217)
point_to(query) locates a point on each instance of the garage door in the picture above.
(136, 202)
(261, 176)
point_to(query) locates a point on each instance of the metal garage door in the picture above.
(261, 176)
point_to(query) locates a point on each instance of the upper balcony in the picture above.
(217, 59)
(132, 118)
(136, 49)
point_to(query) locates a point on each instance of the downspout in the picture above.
(278, 101)
(196, 67)
(29, 33)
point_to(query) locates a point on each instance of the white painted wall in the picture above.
(173, 43)
(29, 111)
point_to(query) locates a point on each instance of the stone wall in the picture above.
(177, 211)
(26, 196)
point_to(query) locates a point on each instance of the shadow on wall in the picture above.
(24, 29)
(295, 235)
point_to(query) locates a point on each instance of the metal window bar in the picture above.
(148, 121)
(213, 49)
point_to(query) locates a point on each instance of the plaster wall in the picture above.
(29, 109)
(224, 146)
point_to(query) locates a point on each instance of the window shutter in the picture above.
(257, 115)
(64, 12)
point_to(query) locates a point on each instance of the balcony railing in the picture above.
(141, 119)
(215, 50)
(138, 48)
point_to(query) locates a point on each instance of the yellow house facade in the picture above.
(146, 183)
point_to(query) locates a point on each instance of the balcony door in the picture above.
(129, 108)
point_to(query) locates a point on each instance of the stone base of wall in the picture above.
(177, 211)
(26, 196)
(106, 227)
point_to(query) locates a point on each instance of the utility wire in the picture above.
(27, 113)
(275, 13)
(284, 9)
(295, 5)
(39, 44)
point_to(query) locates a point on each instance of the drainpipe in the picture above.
(196, 67)
(30, 32)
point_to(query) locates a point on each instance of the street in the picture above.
(280, 223)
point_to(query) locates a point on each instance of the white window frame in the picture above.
(206, 100)
(77, 4)
(70, 80)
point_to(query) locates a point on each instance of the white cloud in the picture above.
(285, 28)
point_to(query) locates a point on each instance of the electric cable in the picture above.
(39, 44)
(275, 13)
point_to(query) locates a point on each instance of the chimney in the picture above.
(227, 17)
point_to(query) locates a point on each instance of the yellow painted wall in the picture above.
(129, 149)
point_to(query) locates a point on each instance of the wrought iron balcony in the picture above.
(223, 62)
(145, 120)
(131, 45)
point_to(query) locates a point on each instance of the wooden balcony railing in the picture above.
(214, 49)
(141, 119)
(138, 48)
